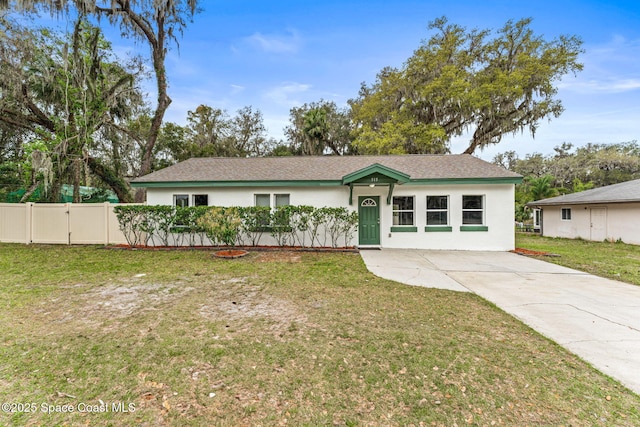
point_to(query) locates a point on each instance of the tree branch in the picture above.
(41, 117)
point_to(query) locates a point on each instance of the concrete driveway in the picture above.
(597, 319)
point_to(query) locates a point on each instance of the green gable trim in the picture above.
(450, 181)
(185, 184)
(437, 228)
(375, 174)
(374, 178)
(404, 229)
(322, 183)
(474, 228)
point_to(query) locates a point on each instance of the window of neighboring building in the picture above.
(181, 200)
(437, 210)
(472, 210)
(403, 210)
(566, 214)
(282, 200)
(200, 200)
(263, 200)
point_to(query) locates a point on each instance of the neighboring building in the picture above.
(606, 213)
(408, 201)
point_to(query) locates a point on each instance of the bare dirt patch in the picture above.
(125, 299)
(111, 301)
(239, 304)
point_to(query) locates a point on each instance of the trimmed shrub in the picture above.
(222, 225)
(303, 226)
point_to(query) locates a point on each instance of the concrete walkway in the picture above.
(597, 319)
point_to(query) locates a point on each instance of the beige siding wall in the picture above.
(621, 222)
(59, 223)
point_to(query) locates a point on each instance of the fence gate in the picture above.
(50, 223)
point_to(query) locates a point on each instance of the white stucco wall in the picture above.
(621, 222)
(498, 211)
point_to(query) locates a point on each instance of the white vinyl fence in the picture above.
(59, 223)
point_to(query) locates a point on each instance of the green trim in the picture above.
(449, 181)
(437, 228)
(399, 178)
(390, 195)
(404, 229)
(474, 228)
(184, 184)
(363, 176)
(350, 194)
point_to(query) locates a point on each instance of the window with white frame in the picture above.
(437, 210)
(278, 200)
(181, 200)
(200, 200)
(263, 200)
(281, 200)
(403, 210)
(473, 210)
(566, 214)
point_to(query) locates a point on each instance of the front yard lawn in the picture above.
(274, 338)
(617, 261)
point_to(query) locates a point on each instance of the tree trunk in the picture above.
(158, 52)
(117, 184)
(77, 165)
(472, 147)
(29, 192)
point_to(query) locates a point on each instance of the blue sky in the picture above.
(280, 54)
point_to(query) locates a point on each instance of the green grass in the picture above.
(617, 261)
(270, 339)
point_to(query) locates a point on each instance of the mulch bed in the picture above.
(239, 248)
(230, 253)
(529, 252)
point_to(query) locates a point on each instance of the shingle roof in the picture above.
(321, 168)
(617, 193)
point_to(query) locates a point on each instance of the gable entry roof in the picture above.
(617, 193)
(296, 171)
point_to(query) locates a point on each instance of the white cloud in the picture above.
(285, 94)
(274, 43)
(235, 89)
(607, 86)
(609, 68)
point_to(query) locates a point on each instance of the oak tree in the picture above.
(464, 81)
(319, 128)
(155, 23)
(63, 93)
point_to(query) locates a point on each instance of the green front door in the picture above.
(369, 220)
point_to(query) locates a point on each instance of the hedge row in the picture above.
(302, 226)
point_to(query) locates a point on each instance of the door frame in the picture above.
(377, 201)
(602, 209)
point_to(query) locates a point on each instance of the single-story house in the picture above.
(404, 201)
(605, 213)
